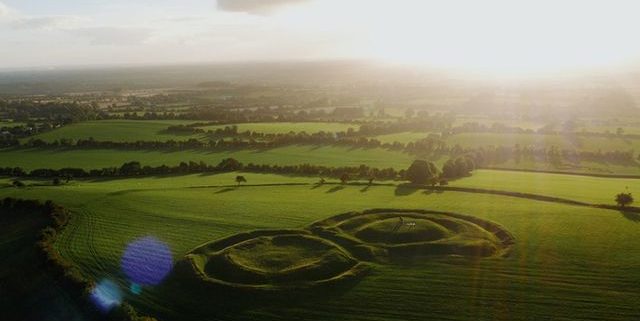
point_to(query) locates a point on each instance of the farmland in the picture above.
(116, 130)
(234, 201)
(585, 247)
(290, 155)
(282, 128)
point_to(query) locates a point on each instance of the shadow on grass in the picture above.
(365, 189)
(335, 189)
(187, 294)
(631, 216)
(405, 190)
(225, 190)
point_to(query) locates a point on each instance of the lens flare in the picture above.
(147, 261)
(135, 288)
(106, 295)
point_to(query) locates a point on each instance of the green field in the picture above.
(565, 263)
(473, 140)
(596, 190)
(283, 128)
(404, 137)
(290, 155)
(118, 131)
(487, 121)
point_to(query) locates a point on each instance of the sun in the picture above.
(504, 37)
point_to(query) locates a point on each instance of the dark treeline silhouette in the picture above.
(134, 168)
(48, 261)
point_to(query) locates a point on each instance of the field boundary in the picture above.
(505, 169)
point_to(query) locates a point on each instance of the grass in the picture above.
(585, 167)
(595, 190)
(379, 235)
(568, 262)
(117, 131)
(289, 155)
(488, 121)
(404, 137)
(270, 260)
(282, 128)
(474, 140)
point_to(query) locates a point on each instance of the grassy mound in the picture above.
(328, 252)
(395, 234)
(273, 260)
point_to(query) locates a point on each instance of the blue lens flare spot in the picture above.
(147, 261)
(135, 288)
(106, 295)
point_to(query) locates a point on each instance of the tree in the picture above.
(624, 199)
(371, 180)
(344, 178)
(229, 165)
(240, 179)
(130, 168)
(421, 172)
(409, 113)
(458, 167)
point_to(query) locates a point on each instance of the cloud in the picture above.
(5, 11)
(114, 35)
(46, 22)
(259, 7)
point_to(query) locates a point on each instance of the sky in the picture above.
(486, 35)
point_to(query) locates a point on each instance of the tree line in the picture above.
(135, 168)
(458, 167)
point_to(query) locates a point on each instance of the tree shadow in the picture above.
(405, 190)
(428, 192)
(225, 190)
(316, 185)
(365, 189)
(631, 216)
(335, 189)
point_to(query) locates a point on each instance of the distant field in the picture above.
(487, 121)
(598, 190)
(578, 255)
(118, 131)
(281, 128)
(628, 130)
(582, 167)
(563, 142)
(290, 155)
(404, 137)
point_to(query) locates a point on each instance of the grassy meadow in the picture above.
(283, 128)
(565, 259)
(118, 131)
(29, 158)
(595, 190)
(472, 140)
(568, 261)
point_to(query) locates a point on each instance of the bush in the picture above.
(624, 199)
(421, 172)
